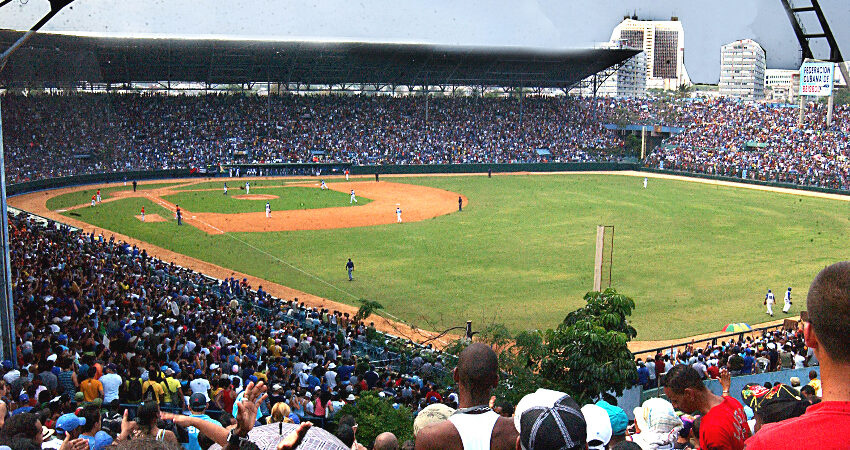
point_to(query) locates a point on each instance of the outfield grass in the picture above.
(693, 256)
(84, 197)
(295, 197)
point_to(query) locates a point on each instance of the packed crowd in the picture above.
(760, 142)
(97, 133)
(773, 351)
(116, 348)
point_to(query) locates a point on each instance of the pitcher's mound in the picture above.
(151, 218)
(255, 197)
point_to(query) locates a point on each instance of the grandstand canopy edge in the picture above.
(65, 59)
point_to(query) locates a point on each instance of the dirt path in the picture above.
(384, 194)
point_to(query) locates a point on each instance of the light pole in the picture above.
(8, 349)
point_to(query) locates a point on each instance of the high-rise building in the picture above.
(742, 67)
(663, 44)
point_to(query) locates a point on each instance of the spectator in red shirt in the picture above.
(828, 304)
(724, 423)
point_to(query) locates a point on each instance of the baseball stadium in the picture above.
(296, 228)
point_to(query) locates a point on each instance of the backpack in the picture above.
(150, 394)
(133, 390)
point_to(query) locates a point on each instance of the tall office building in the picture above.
(663, 44)
(742, 69)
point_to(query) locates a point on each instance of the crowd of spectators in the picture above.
(96, 133)
(760, 142)
(118, 348)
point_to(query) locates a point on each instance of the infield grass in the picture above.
(84, 197)
(293, 197)
(693, 256)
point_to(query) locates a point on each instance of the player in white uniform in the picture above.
(644, 182)
(324, 186)
(346, 174)
(769, 300)
(398, 214)
(353, 198)
(225, 188)
(247, 188)
(268, 210)
(787, 306)
(98, 195)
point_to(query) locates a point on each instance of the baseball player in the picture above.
(346, 174)
(349, 266)
(324, 186)
(353, 198)
(143, 213)
(460, 203)
(769, 300)
(225, 188)
(398, 214)
(98, 195)
(787, 306)
(179, 215)
(94, 197)
(268, 210)
(247, 188)
(644, 182)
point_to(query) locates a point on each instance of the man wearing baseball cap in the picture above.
(474, 425)
(548, 419)
(828, 305)
(198, 405)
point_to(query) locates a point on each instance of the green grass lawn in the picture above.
(693, 256)
(295, 197)
(84, 197)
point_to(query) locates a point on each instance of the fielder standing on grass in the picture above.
(225, 188)
(268, 210)
(353, 198)
(350, 268)
(644, 182)
(769, 300)
(143, 213)
(247, 188)
(787, 301)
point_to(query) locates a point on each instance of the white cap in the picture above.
(598, 426)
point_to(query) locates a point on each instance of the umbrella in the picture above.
(737, 327)
(266, 437)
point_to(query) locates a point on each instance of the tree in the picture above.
(374, 415)
(585, 356)
(367, 307)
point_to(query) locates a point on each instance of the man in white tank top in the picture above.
(474, 426)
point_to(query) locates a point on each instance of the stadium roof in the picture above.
(62, 59)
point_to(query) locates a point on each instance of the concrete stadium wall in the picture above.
(54, 183)
(297, 169)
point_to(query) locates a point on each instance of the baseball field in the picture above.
(694, 256)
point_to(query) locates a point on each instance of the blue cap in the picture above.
(7, 364)
(163, 368)
(69, 422)
(102, 439)
(63, 337)
(617, 416)
(253, 378)
(198, 372)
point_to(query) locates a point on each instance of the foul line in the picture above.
(230, 235)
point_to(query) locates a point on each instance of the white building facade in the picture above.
(663, 45)
(781, 85)
(742, 67)
(627, 81)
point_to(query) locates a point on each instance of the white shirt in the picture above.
(200, 385)
(475, 430)
(111, 382)
(799, 361)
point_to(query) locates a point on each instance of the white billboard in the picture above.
(816, 78)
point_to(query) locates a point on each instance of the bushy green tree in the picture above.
(375, 415)
(586, 355)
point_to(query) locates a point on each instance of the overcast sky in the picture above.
(525, 23)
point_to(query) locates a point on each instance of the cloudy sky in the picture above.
(525, 23)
